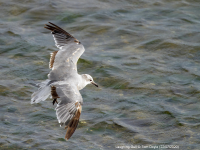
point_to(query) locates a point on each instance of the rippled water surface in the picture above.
(144, 54)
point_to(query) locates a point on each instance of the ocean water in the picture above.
(145, 56)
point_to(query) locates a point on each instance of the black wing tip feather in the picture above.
(56, 28)
(55, 25)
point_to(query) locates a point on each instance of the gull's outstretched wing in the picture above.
(64, 60)
(69, 108)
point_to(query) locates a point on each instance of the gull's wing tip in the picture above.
(66, 139)
(46, 25)
(74, 122)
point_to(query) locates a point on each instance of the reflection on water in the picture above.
(143, 54)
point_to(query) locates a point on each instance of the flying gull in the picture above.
(64, 82)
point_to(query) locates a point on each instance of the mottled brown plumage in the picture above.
(74, 122)
(52, 58)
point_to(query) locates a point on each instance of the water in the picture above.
(143, 54)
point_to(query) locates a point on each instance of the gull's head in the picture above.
(88, 79)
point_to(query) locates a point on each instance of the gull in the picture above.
(64, 82)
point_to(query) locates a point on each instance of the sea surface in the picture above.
(144, 54)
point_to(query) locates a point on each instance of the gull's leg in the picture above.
(55, 100)
(54, 95)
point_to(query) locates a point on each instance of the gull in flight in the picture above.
(64, 82)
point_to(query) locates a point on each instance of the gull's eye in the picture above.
(90, 80)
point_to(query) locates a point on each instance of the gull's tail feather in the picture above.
(43, 92)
